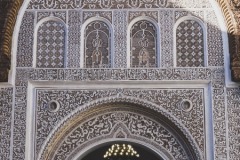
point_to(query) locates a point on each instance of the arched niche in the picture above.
(190, 43)
(50, 43)
(108, 122)
(96, 43)
(143, 43)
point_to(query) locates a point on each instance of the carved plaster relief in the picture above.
(23, 75)
(120, 20)
(25, 41)
(74, 119)
(187, 105)
(115, 4)
(233, 121)
(51, 37)
(6, 100)
(138, 126)
(74, 40)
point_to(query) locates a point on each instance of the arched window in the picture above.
(143, 44)
(50, 45)
(189, 44)
(97, 46)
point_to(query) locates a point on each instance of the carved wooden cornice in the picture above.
(9, 27)
(230, 9)
(234, 41)
(229, 18)
(8, 18)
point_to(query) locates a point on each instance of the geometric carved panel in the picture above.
(143, 44)
(214, 40)
(189, 44)
(50, 45)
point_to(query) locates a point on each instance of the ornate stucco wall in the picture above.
(44, 100)
(9, 12)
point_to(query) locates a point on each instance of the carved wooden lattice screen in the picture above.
(97, 45)
(143, 44)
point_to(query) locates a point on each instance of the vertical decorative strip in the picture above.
(233, 101)
(219, 113)
(5, 122)
(120, 39)
(19, 128)
(25, 41)
(166, 36)
(74, 41)
(215, 42)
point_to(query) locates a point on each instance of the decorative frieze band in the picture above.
(116, 74)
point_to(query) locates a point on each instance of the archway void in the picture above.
(98, 152)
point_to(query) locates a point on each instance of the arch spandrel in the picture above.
(185, 111)
(103, 122)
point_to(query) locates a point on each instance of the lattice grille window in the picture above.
(189, 44)
(50, 45)
(143, 44)
(97, 45)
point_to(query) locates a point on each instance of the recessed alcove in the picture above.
(98, 152)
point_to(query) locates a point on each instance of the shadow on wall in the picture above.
(234, 49)
(232, 18)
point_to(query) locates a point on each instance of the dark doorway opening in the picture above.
(144, 153)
